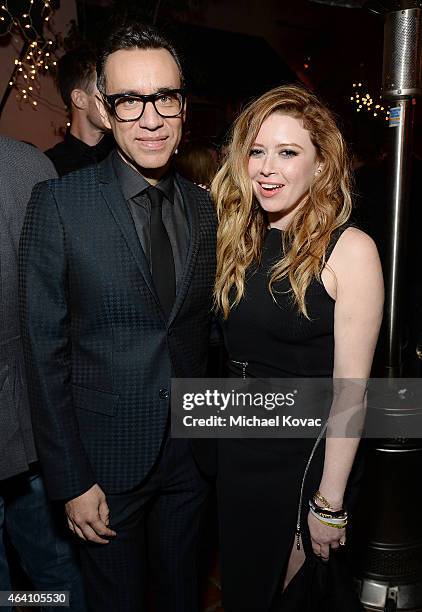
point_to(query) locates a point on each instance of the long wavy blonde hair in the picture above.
(243, 223)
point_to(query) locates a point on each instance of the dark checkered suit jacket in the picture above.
(98, 349)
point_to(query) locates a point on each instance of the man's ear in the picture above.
(79, 99)
(184, 111)
(102, 110)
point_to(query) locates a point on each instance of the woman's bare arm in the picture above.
(357, 284)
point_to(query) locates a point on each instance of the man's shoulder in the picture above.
(65, 156)
(59, 154)
(22, 166)
(60, 148)
(81, 178)
(198, 199)
(195, 190)
(24, 160)
(72, 191)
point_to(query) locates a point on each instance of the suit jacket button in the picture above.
(163, 394)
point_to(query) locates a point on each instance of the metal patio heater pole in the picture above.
(401, 83)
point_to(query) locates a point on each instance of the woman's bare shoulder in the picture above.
(354, 245)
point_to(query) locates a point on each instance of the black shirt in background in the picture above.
(133, 186)
(72, 154)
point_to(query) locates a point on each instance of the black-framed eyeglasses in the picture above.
(130, 107)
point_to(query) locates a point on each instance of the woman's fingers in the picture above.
(324, 537)
(325, 552)
(316, 547)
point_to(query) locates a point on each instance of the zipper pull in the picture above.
(244, 365)
(298, 537)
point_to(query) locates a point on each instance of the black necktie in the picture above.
(162, 261)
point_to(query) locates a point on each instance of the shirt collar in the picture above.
(105, 144)
(133, 183)
(75, 142)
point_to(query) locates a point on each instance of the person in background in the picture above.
(86, 141)
(30, 520)
(197, 161)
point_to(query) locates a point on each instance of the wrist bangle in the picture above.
(330, 521)
(334, 526)
(324, 512)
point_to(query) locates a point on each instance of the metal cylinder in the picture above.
(388, 556)
(388, 538)
(402, 65)
(400, 132)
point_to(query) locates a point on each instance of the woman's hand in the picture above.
(324, 537)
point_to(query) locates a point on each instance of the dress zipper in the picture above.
(244, 365)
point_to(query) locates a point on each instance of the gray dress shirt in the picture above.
(133, 186)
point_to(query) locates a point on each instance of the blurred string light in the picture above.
(364, 103)
(307, 62)
(37, 57)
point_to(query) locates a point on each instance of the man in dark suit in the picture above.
(25, 511)
(117, 266)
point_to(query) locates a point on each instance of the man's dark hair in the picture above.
(76, 70)
(130, 36)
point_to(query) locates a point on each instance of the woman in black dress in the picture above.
(300, 294)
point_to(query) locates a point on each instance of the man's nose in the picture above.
(150, 119)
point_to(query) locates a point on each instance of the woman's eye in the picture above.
(255, 152)
(288, 153)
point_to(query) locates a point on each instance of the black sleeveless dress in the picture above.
(259, 480)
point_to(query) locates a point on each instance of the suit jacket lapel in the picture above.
(191, 206)
(115, 201)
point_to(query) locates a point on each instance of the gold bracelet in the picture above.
(323, 500)
(318, 496)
